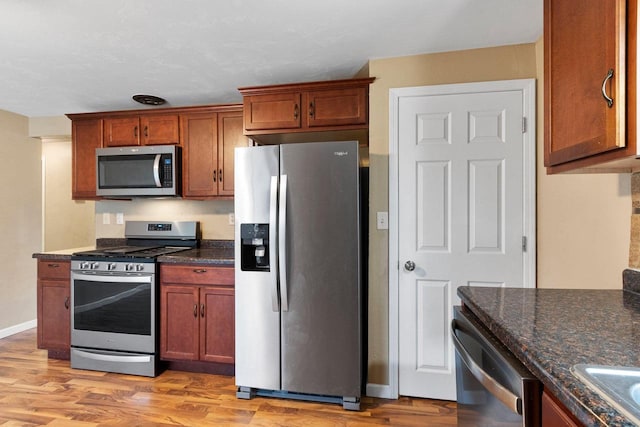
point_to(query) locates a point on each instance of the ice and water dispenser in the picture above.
(254, 250)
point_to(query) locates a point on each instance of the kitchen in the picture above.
(582, 219)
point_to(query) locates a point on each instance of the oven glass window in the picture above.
(112, 307)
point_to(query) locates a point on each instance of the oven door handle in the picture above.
(103, 277)
(504, 395)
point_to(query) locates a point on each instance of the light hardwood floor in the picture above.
(37, 391)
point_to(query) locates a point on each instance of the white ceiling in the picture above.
(74, 56)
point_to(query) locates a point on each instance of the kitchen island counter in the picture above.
(550, 330)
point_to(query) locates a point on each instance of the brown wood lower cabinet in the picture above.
(197, 313)
(554, 414)
(54, 321)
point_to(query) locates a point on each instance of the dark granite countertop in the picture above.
(550, 330)
(210, 252)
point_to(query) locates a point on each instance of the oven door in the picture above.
(113, 311)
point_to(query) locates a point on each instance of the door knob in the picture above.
(409, 265)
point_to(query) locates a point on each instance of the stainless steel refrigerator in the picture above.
(298, 293)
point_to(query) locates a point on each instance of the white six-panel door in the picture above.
(461, 218)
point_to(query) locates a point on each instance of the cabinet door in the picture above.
(272, 111)
(160, 129)
(179, 322)
(54, 322)
(555, 415)
(200, 163)
(230, 136)
(86, 137)
(122, 132)
(217, 331)
(581, 46)
(337, 107)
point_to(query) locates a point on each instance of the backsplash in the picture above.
(634, 240)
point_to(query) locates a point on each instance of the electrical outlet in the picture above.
(106, 218)
(382, 220)
(120, 218)
(232, 219)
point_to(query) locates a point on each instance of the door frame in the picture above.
(528, 89)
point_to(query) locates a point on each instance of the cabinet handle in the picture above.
(202, 310)
(135, 131)
(311, 109)
(296, 110)
(199, 270)
(604, 88)
(220, 175)
(66, 303)
(195, 310)
(214, 175)
(53, 265)
(146, 131)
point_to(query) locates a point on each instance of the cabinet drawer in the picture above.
(54, 269)
(197, 274)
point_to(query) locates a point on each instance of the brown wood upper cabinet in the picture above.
(141, 130)
(208, 135)
(209, 140)
(589, 85)
(86, 136)
(306, 107)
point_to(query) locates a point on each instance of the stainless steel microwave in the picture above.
(144, 171)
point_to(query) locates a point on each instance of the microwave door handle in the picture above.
(156, 171)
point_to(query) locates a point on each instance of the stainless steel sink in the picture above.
(618, 385)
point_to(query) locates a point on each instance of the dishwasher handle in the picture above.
(501, 393)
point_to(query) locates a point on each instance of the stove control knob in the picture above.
(128, 267)
(139, 267)
(84, 265)
(111, 266)
(95, 265)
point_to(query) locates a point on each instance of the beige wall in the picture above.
(20, 220)
(67, 223)
(583, 221)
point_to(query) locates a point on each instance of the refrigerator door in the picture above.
(321, 331)
(256, 289)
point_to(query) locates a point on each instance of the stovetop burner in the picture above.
(129, 252)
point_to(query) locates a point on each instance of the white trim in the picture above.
(381, 391)
(527, 86)
(11, 330)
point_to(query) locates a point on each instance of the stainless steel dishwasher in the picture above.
(492, 386)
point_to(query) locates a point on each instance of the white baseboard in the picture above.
(382, 391)
(18, 328)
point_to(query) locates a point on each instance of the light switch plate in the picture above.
(232, 219)
(382, 220)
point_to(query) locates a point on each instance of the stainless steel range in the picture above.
(114, 298)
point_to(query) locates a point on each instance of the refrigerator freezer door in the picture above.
(321, 333)
(257, 323)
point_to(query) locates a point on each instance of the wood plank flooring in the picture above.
(37, 391)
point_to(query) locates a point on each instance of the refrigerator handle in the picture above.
(273, 218)
(282, 242)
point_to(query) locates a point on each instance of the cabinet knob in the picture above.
(202, 310)
(199, 270)
(220, 175)
(135, 131)
(53, 265)
(146, 131)
(214, 175)
(66, 303)
(195, 310)
(296, 111)
(311, 109)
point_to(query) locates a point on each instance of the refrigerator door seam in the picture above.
(273, 217)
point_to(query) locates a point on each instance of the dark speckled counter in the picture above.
(550, 330)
